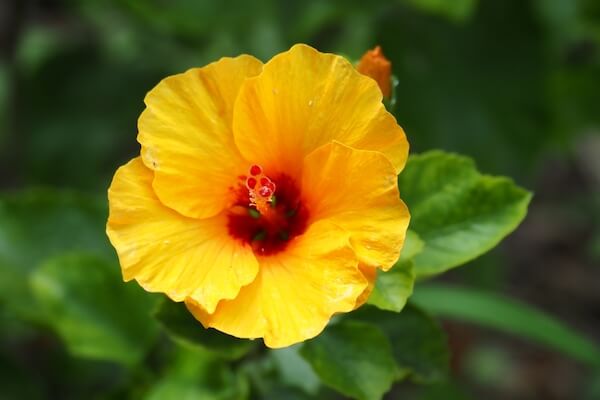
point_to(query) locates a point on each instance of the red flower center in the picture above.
(268, 212)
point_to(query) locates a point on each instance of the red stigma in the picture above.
(251, 183)
(255, 170)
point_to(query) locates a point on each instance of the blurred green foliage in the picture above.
(504, 82)
(469, 82)
(77, 295)
(506, 314)
(39, 224)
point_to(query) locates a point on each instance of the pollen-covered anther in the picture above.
(265, 192)
(261, 189)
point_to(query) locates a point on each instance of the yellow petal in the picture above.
(186, 136)
(303, 99)
(358, 191)
(370, 274)
(167, 252)
(295, 292)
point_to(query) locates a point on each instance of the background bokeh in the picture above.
(514, 84)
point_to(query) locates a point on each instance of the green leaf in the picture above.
(354, 358)
(418, 343)
(394, 287)
(37, 224)
(413, 245)
(98, 316)
(458, 213)
(183, 328)
(294, 370)
(198, 375)
(455, 10)
(508, 315)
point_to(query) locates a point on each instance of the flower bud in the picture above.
(374, 64)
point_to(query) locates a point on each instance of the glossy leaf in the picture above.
(186, 330)
(418, 343)
(353, 358)
(97, 315)
(394, 287)
(457, 212)
(198, 375)
(508, 315)
(294, 370)
(413, 245)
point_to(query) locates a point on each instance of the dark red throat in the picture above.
(268, 235)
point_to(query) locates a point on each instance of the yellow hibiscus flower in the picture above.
(265, 196)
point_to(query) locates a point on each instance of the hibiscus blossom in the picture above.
(265, 196)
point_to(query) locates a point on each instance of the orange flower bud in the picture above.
(374, 64)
